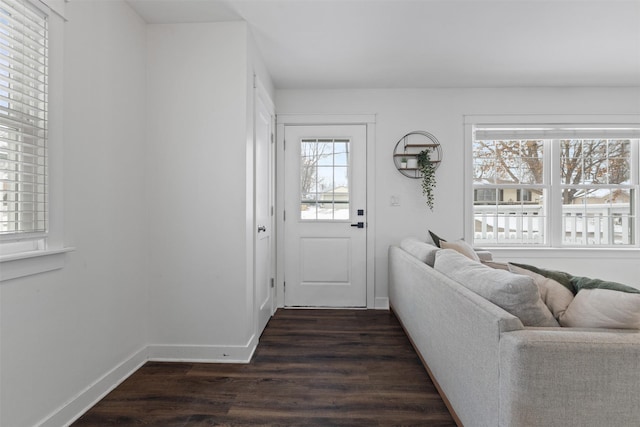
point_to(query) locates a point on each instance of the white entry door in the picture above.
(325, 234)
(264, 220)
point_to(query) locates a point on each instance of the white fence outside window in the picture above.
(584, 225)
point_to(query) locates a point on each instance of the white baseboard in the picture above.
(381, 304)
(83, 401)
(202, 353)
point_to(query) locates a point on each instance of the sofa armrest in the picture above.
(455, 331)
(570, 377)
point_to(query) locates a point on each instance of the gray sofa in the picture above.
(493, 371)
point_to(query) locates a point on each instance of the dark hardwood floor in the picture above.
(312, 367)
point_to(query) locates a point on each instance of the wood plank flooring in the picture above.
(312, 367)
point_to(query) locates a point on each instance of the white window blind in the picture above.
(23, 120)
(496, 132)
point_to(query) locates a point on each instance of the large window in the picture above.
(558, 186)
(23, 122)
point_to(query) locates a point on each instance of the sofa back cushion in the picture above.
(603, 308)
(423, 251)
(462, 247)
(514, 293)
(597, 303)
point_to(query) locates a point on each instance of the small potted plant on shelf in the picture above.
(403, 163)
(428, 172)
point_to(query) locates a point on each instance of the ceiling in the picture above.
(329, 44)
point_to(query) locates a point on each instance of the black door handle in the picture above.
(262, 228)
(358, 224)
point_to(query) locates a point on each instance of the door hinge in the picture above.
(284, 215)
(271, 210)
(254, 81)
(273, 282)
(284, 144)
(272, 138)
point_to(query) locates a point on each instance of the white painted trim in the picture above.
(279, 212)
(371, 218)
(467, 205)
(326, 119)
(30, 263)
(87, 398)
(203, 353)
(471, 119)
(55, 6)
(564, 253)
(34, 254)
(83, 401)
(260, 92)
(369, 121)
(382, 303)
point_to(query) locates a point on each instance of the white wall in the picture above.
(441, 111)
(199, 209)
(158, 201)
(62, 331)
(158, 193)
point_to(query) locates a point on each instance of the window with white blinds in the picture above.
(23, 121)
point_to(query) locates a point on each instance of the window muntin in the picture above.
(591, 194)
(324, 179)
(23, 121)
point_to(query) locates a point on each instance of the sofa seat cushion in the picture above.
(514, 293)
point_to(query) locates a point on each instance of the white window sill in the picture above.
(566, 253)
(24, 264)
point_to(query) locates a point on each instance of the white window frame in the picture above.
(46, 253)
(554, 223)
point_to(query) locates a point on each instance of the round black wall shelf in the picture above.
(409, 146)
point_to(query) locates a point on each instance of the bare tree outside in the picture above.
(324, 179)
(509, 162)
(312, 154)
(598, 161)
(583, 162)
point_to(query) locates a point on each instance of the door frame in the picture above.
(368, 120)
(260, 92)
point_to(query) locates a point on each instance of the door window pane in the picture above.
(324, 179)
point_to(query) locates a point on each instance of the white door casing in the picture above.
(325, 197)
(264, 201)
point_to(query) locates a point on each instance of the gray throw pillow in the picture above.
(514, 293)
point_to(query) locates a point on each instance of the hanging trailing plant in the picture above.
(428, 172)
